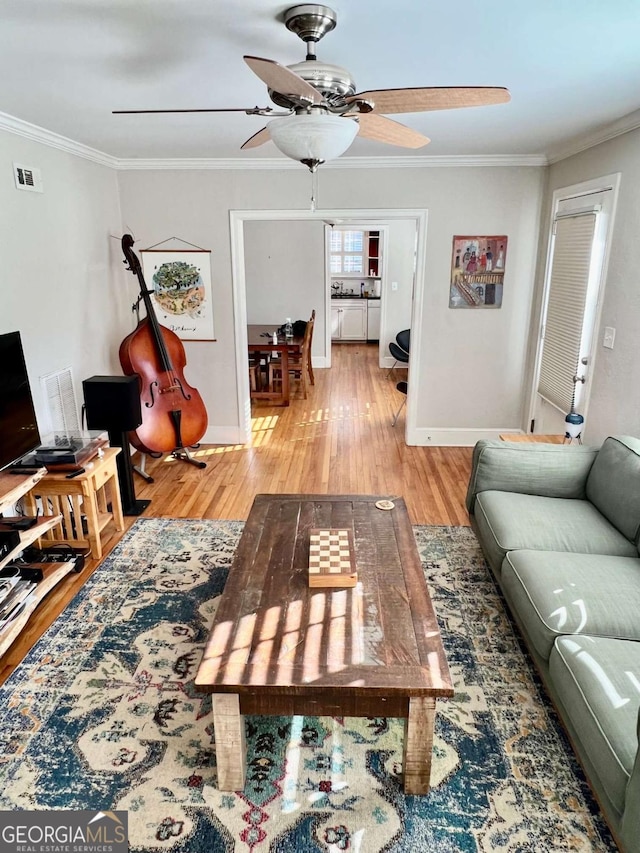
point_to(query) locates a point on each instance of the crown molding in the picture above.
(603, 134)
(62, 143)
(54, 140)
(575, 146)
(341, 163)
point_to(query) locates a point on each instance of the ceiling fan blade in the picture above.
(282, 79)
(248, 110)
(383, 129)
(257, 139)
(432, 98)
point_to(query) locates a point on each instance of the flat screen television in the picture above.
(19, 432)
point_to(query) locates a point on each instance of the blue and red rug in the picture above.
(103, 714)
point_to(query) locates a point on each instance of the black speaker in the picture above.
(112, 402)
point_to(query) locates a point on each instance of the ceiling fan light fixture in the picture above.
(313, 137)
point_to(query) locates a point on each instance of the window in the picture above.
(346, 252)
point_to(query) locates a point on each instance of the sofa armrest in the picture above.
(550, 470)
(630, 823)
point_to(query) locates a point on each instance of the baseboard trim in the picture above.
(421, 437)
(452, 436)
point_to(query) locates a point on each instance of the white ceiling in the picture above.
(572, 66)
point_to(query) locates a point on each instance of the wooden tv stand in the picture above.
(13, 487)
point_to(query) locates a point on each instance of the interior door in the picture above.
(574, 279)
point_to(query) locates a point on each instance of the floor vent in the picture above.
(61, 402)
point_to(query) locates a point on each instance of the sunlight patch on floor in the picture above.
(261, 431)
(339, 413)
(206, 451)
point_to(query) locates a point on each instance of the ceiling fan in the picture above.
(324, 113)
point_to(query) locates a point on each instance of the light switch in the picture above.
(609, 337)
(394, 285)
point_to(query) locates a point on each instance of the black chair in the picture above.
(400, 349)
(402, 387)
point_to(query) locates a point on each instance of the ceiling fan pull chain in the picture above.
(314, 190)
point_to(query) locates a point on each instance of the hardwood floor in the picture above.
(339, 440)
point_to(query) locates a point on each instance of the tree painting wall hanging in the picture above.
(180, 282)
(477, 272)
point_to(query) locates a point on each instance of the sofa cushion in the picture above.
(551, 470)
(557, 593)
(613, 484)
(508, 521)
(597, 680)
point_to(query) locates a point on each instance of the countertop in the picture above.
(354, 296)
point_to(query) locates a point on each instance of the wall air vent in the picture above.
(27, 178)
(60, 398)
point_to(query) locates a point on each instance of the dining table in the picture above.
(260, 340)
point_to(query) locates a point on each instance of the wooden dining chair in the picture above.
(311, 323)
(253, 374)
(299, 365)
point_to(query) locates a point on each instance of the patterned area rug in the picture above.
(102, 714)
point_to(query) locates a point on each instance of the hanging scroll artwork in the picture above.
(180, 282)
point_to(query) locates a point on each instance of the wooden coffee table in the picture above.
(280, 647)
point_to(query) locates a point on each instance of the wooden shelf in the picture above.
(42, 525)
(13, 487)
(53, 573)
(373, 249)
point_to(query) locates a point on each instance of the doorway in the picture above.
(579, 240)
(355, 264)
(238, 218)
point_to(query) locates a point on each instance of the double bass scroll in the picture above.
(173, 414)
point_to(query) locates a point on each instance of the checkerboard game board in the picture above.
(331, 560)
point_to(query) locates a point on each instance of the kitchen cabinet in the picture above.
(349, 320)
(373, 320)
(373, 266)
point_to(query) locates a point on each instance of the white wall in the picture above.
(399, 266)
(64, 287)
(614, 407)
(472, 362)
(285, 275)
(61, 282)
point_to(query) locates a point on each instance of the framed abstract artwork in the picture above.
(477, 271)
(180, 282)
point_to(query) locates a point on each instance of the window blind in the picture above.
(568, 283)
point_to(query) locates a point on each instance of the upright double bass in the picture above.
(173, 415)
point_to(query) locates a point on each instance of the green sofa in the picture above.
(559, 526)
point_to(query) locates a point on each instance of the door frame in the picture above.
(237, 218)
(353, 225)
(599, 266)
